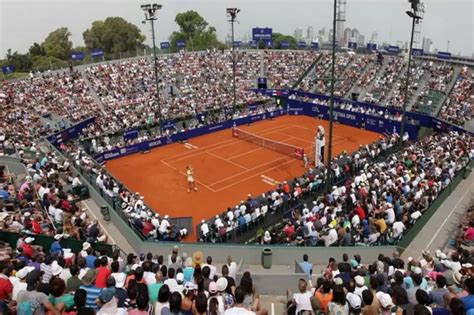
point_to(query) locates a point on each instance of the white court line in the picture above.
(217, 145)
(225, 160)
(200, 183)
(250, 169)
(257, 174)
(449, 216)
(268, 169)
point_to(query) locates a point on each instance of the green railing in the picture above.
(46, 241)
(416, 228)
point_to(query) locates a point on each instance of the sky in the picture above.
(23, 22)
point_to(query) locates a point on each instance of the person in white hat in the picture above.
(21, 285)
(359, 285)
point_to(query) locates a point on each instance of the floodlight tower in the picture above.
(232, 14)
(339, 17)
(415, 16)
(150, 15)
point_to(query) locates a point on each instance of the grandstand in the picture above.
(97, 218)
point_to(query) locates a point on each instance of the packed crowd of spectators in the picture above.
(132, 206)
(417, 72)
(465, 233)
(385, 81)
(201, 81)
(350, 106)
(431, 96)
(24, 101)
(435, 283)
(47, 201)
(353, 73)
(93, 283)
(255, 208)
(383, 200)
(459, 105)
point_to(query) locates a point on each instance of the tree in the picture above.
(195, 31)
(278, 38)
(57, 44)
(36, 50)
(114, 35)
(21, 62)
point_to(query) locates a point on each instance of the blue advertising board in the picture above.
(8, 69)
(130, 134)
(147, 145)
(77, 56)
(352, 45)
(180, 44)
(285, 44)
(393, 49)
(371, 46)
(417, 52)
(444, 55)
(70, 133)
(261, 33)
(315, 45)
(301, 44)
(269, 43)
(96, 53)
(237, 43)
(165, 45)
(253, 44)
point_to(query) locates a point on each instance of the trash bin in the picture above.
(104, 209)
(267, 258)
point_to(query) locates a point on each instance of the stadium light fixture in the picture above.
(331, 100)
(415, 17)
(150, 15)
(232, 14)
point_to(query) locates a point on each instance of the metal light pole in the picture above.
(232, 13)
(331, 102)
(150, 15)
(415, 18)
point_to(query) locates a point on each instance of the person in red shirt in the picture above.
(359, 211)
(35, 225)
(27, 249)
(289, 230)
(147, 227)
(6, 287)
(469, 233)
(103, 272)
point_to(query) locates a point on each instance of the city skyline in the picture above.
(388, 19)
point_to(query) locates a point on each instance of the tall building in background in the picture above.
(298, 34)
(323, 35)
(427, 44)
(360, 40)
(374, 39)
(346, 37)
(340, 18)
(355, 35)
(310, 33)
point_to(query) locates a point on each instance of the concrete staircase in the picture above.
(449, 88)
(380, 72)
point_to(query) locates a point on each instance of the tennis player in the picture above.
(190, 177)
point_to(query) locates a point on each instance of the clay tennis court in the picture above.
(226, 169)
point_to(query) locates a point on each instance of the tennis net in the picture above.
(280, 147)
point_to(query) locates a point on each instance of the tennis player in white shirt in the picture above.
(190, 177)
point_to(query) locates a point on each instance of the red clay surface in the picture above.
(226, 169)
